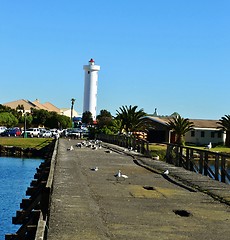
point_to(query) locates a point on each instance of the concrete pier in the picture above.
(87, 204)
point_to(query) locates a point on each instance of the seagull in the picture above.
(120, 175)
(166, 172)
(70, 149)
(94, 169)
(108, 151)
(79, 145)
(209, 146)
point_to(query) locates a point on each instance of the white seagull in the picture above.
(94, 147)
(209, 146)
(166, 172)
(70, 149)
(94, 169)
(108, 151)
(120, 175)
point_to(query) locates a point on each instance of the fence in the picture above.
(212, 164)
(130, 142)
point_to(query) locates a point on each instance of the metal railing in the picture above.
(129, 142)
(212, 164)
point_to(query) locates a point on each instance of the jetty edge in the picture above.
(33, 213)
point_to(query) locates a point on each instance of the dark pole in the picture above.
(25, 125)
(72, 103)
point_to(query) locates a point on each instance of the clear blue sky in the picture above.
(169, 55)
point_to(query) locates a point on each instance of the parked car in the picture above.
(32, 132)
(12, 132)
(74, 133)
(2, 129)
(54, 132)
(46, 134)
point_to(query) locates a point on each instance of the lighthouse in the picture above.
(90, 88)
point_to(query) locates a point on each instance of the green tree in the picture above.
(107, 124)
(40, 116)
(58, 121)
(87, 118)
(131, 118)
(225, 125)
(29, 120)
(52, 120)
(8, 119)
(105, 118)
(5, 108)
(63, 122)
(180, 126)
(116, 126)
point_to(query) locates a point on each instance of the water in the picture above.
(15, 177)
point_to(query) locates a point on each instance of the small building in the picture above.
(22, 105)
(67, 112)
(46, 106)
(203, 132)
(26, 106)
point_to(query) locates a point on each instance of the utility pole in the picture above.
(25, 134)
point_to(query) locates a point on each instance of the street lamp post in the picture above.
(25, 135)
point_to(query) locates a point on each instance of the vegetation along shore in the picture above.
(26, 147)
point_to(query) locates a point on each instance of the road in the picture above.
(88, 204)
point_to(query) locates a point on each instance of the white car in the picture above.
(2, 129)
(33, 132)
(54, 132)
(47, 134)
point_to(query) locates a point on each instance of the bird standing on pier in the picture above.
(70, 148)
(94, 169)
(209, 146)
(120, 175)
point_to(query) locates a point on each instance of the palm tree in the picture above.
(225, 125)
(180, 126)
(72, 103)
(130, 118)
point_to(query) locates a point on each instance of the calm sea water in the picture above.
(15, 177)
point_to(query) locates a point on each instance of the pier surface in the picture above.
(88, 204)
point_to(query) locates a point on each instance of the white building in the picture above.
(203, 136)
(90, 88)
(67, 112)
(203, 132)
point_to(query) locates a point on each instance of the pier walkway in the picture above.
(88, 204)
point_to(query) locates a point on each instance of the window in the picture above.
(212, 134)
(192, 133)
(202, 134)
(88, 72)
(219, 135)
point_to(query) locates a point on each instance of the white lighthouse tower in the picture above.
(90, 88)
